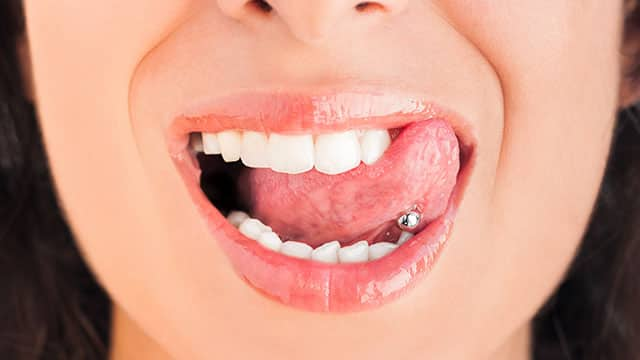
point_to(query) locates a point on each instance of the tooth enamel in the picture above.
(331, 154)
(230, 145)
(291, 154)
(252, 228)
(254, 150)
(337, 153)
(210, 144)
(373, 144)
(330, 252)
(296, 249)
(404, 236)
(195, 142)
(327, 253)
(358, 252)
(270, 240)
(237, 217)
(378, 250)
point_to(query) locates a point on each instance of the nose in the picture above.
(313, 21)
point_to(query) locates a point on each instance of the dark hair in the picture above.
(52, 307)
(595, 311)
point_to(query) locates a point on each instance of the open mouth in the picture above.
(333, 202)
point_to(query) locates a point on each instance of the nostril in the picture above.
(260, 5)
(369, 6)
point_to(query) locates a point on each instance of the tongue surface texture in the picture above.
(418, 170)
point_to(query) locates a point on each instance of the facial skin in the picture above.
(538, 81)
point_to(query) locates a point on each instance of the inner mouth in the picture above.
(344, 197)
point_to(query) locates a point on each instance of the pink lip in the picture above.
(304, 284)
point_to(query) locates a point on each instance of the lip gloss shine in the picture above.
(302, 283)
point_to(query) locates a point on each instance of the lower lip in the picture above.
(320, 287)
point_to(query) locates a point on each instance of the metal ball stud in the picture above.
(409, 221)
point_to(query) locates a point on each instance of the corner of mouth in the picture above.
(281, 265)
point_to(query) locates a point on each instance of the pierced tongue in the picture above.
(418, 169)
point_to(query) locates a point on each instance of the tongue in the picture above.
(418, 171)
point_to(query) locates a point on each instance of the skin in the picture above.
(538, 80)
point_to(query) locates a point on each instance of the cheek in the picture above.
(559, 78)
(560, 106)
(83, 55)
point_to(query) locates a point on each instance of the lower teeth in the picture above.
(330, 252)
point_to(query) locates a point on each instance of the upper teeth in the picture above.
(331, 154)
(230, 144)
(330, 252)
(338, 152)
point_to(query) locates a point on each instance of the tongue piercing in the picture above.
(409, 221)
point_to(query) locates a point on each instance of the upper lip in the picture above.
(311, 112)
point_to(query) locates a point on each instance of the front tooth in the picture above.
(252, 228)
(254, 149)
(291, 154)
(210, 144)
(230, 145)
(404, 236)
(337, 152)
(237, 217)
(327, 253)
(378, 250)
(373, 144)
(296, 249)
(270, 240)
(358, 252)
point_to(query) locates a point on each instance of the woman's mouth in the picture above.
(326, 202)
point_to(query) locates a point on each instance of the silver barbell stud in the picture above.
(409, 221)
